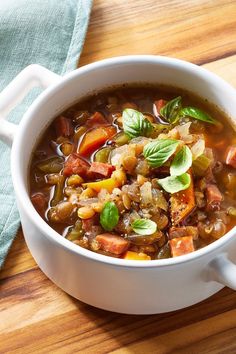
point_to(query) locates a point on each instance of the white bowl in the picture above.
(133, 287)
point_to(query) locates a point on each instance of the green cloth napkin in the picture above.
(50, 33)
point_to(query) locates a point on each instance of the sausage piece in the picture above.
(181, 245)
(214, 197)
(112, 243)
(75, 165)
(103, 169)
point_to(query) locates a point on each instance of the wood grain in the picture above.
(198, 30)
(35, 315)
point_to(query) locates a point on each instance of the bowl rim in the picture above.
(20, 186)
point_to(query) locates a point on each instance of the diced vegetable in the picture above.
(198, 148)
(63, 126)
(118, 154)
(58, 191)
(95, 138)
(112, 243)
(51, 165)
(103, 169)
(109, 184)
(96, 119)
(76, 165)
(102, 155)
(75, 232)
(146, 194)
(121, 139)
(231, 156)
(181, 204)
(181, 245)
(231, 211)
(134, 256)
(200, 165)
(214, 197)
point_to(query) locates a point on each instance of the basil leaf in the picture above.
(181, 162)
(144, 226)
(197, 114)
(135, 124)
(171, 110)
(174, 184)
(109, 216)
(158, 152)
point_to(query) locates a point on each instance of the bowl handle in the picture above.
(32, 76)
(222, 270)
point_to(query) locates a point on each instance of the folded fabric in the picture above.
(50, 33)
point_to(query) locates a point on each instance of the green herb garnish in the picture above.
(171, 110)
(144, 227)
(135, 124)
(158, 152)
(181, 162)
(197, 114)
(109, 216)
(174, 184)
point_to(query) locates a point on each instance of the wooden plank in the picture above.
(36, 314)
(192, 339)
(19, 258)
(199, 31)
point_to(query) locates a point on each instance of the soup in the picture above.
(139, 173)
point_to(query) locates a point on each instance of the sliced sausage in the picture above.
(103, 169)
(76, 165)
(181, 245)
(214, 197)
(112, 243)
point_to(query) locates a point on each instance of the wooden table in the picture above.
(36, 316)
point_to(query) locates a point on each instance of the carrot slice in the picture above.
(95, 138)
(134, 256)
(181, 204)
(181, 245)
